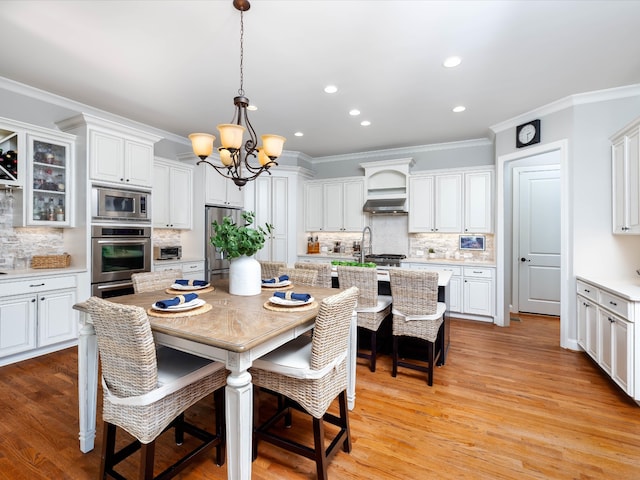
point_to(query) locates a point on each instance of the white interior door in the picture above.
(538, 215)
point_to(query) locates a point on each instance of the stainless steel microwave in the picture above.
(120, 205)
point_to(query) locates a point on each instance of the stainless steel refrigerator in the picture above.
(216, 265)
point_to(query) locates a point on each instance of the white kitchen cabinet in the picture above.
(313, 207)
(625, 162)
(117, 154)
(421, 204)
(220, 190)
(271, 206)
(342, 206)
(36, 317)
(478, 291)
(172, 195)
(606, 331)
(478, 204)
(448, 203)
(191, 269)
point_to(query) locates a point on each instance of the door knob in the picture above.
(523, 259)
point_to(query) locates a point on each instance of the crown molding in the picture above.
(568, 102)
(393, 153)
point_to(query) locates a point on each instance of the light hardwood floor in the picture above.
(509, 404)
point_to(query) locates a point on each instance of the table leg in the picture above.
(87, 383)
(239, 418)
(351, 362)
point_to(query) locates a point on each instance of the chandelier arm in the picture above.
(252, 143)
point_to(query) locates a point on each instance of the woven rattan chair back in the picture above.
(300, 276)
(323, 269)
(366, 279)
(127, 349)
(331, 331)
(151, 281)
(270, 269)
(414, 292)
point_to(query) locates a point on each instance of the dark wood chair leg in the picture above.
(372, 362)
(221, 426)
(318, 442)
(344, 417)
(394, 370)
(179, 429)
(147, 452)
(108, 449)
(431, 358)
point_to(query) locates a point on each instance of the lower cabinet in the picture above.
(37, 317)
(471, 289)
(606, 331)
(191, 270)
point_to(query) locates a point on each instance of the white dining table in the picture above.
(236, 331)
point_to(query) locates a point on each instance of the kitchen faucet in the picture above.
(362, 249)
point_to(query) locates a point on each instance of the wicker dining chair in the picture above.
(151, 281)
(416, 313)
(270, 269)
(146, 391)
(372, 308)
(323, 269)
(310, 372)
(300, 276)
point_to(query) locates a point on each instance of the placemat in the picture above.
(186, 313)
(288, 287)
(279, 308)
(182, 292)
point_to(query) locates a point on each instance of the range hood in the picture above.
(386, 206)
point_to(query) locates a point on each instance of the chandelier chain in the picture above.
(241, 90)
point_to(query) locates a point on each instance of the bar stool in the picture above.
(416, 313)
(323, 269)
(151, 281)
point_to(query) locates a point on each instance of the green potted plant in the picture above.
(239, 243)
(432, 253)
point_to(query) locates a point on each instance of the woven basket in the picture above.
(51, 261)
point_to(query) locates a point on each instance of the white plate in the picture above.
(195, 303)
(286, 283)
(289, 303)
(177, 286)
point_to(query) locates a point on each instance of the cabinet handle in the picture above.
(122, 179)
(42, 298)
(587, 290)
(613, 303)
(38, 285)
(475, 271)
(586, 304)
(611, 320)
(33, 300)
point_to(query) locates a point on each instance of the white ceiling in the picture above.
(174, 65)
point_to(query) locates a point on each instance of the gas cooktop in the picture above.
(385, 259)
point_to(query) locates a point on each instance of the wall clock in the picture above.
(528, 134)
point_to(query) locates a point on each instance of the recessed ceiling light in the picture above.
(452, 62)
(354, 113)
(330, 89)
(299, 134)
(459, 108)
(252, 108)
(365, 123)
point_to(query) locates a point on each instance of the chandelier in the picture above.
(233, 154)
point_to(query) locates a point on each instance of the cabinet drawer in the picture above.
(455, 270)
(616, 304)
(478, 272)
(38, 284)
(189, 267)
(587, 290)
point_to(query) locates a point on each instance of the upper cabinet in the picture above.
(220, 190)
(451, 202)
(334, 205)
(172, 194)
(116, 154)
(12, 141)
(625, 162)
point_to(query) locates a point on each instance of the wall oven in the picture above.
(117, 253)
(114, 204)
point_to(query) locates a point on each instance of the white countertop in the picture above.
(436, 261)
(38, 272)
(383, 275)
(628, 288)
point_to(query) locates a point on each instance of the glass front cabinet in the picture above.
(48, 188)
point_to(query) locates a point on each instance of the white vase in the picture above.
(244, 276)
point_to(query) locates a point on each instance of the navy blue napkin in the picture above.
(192, 283)
(305, 297)
(281, 278)
(180, 299)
